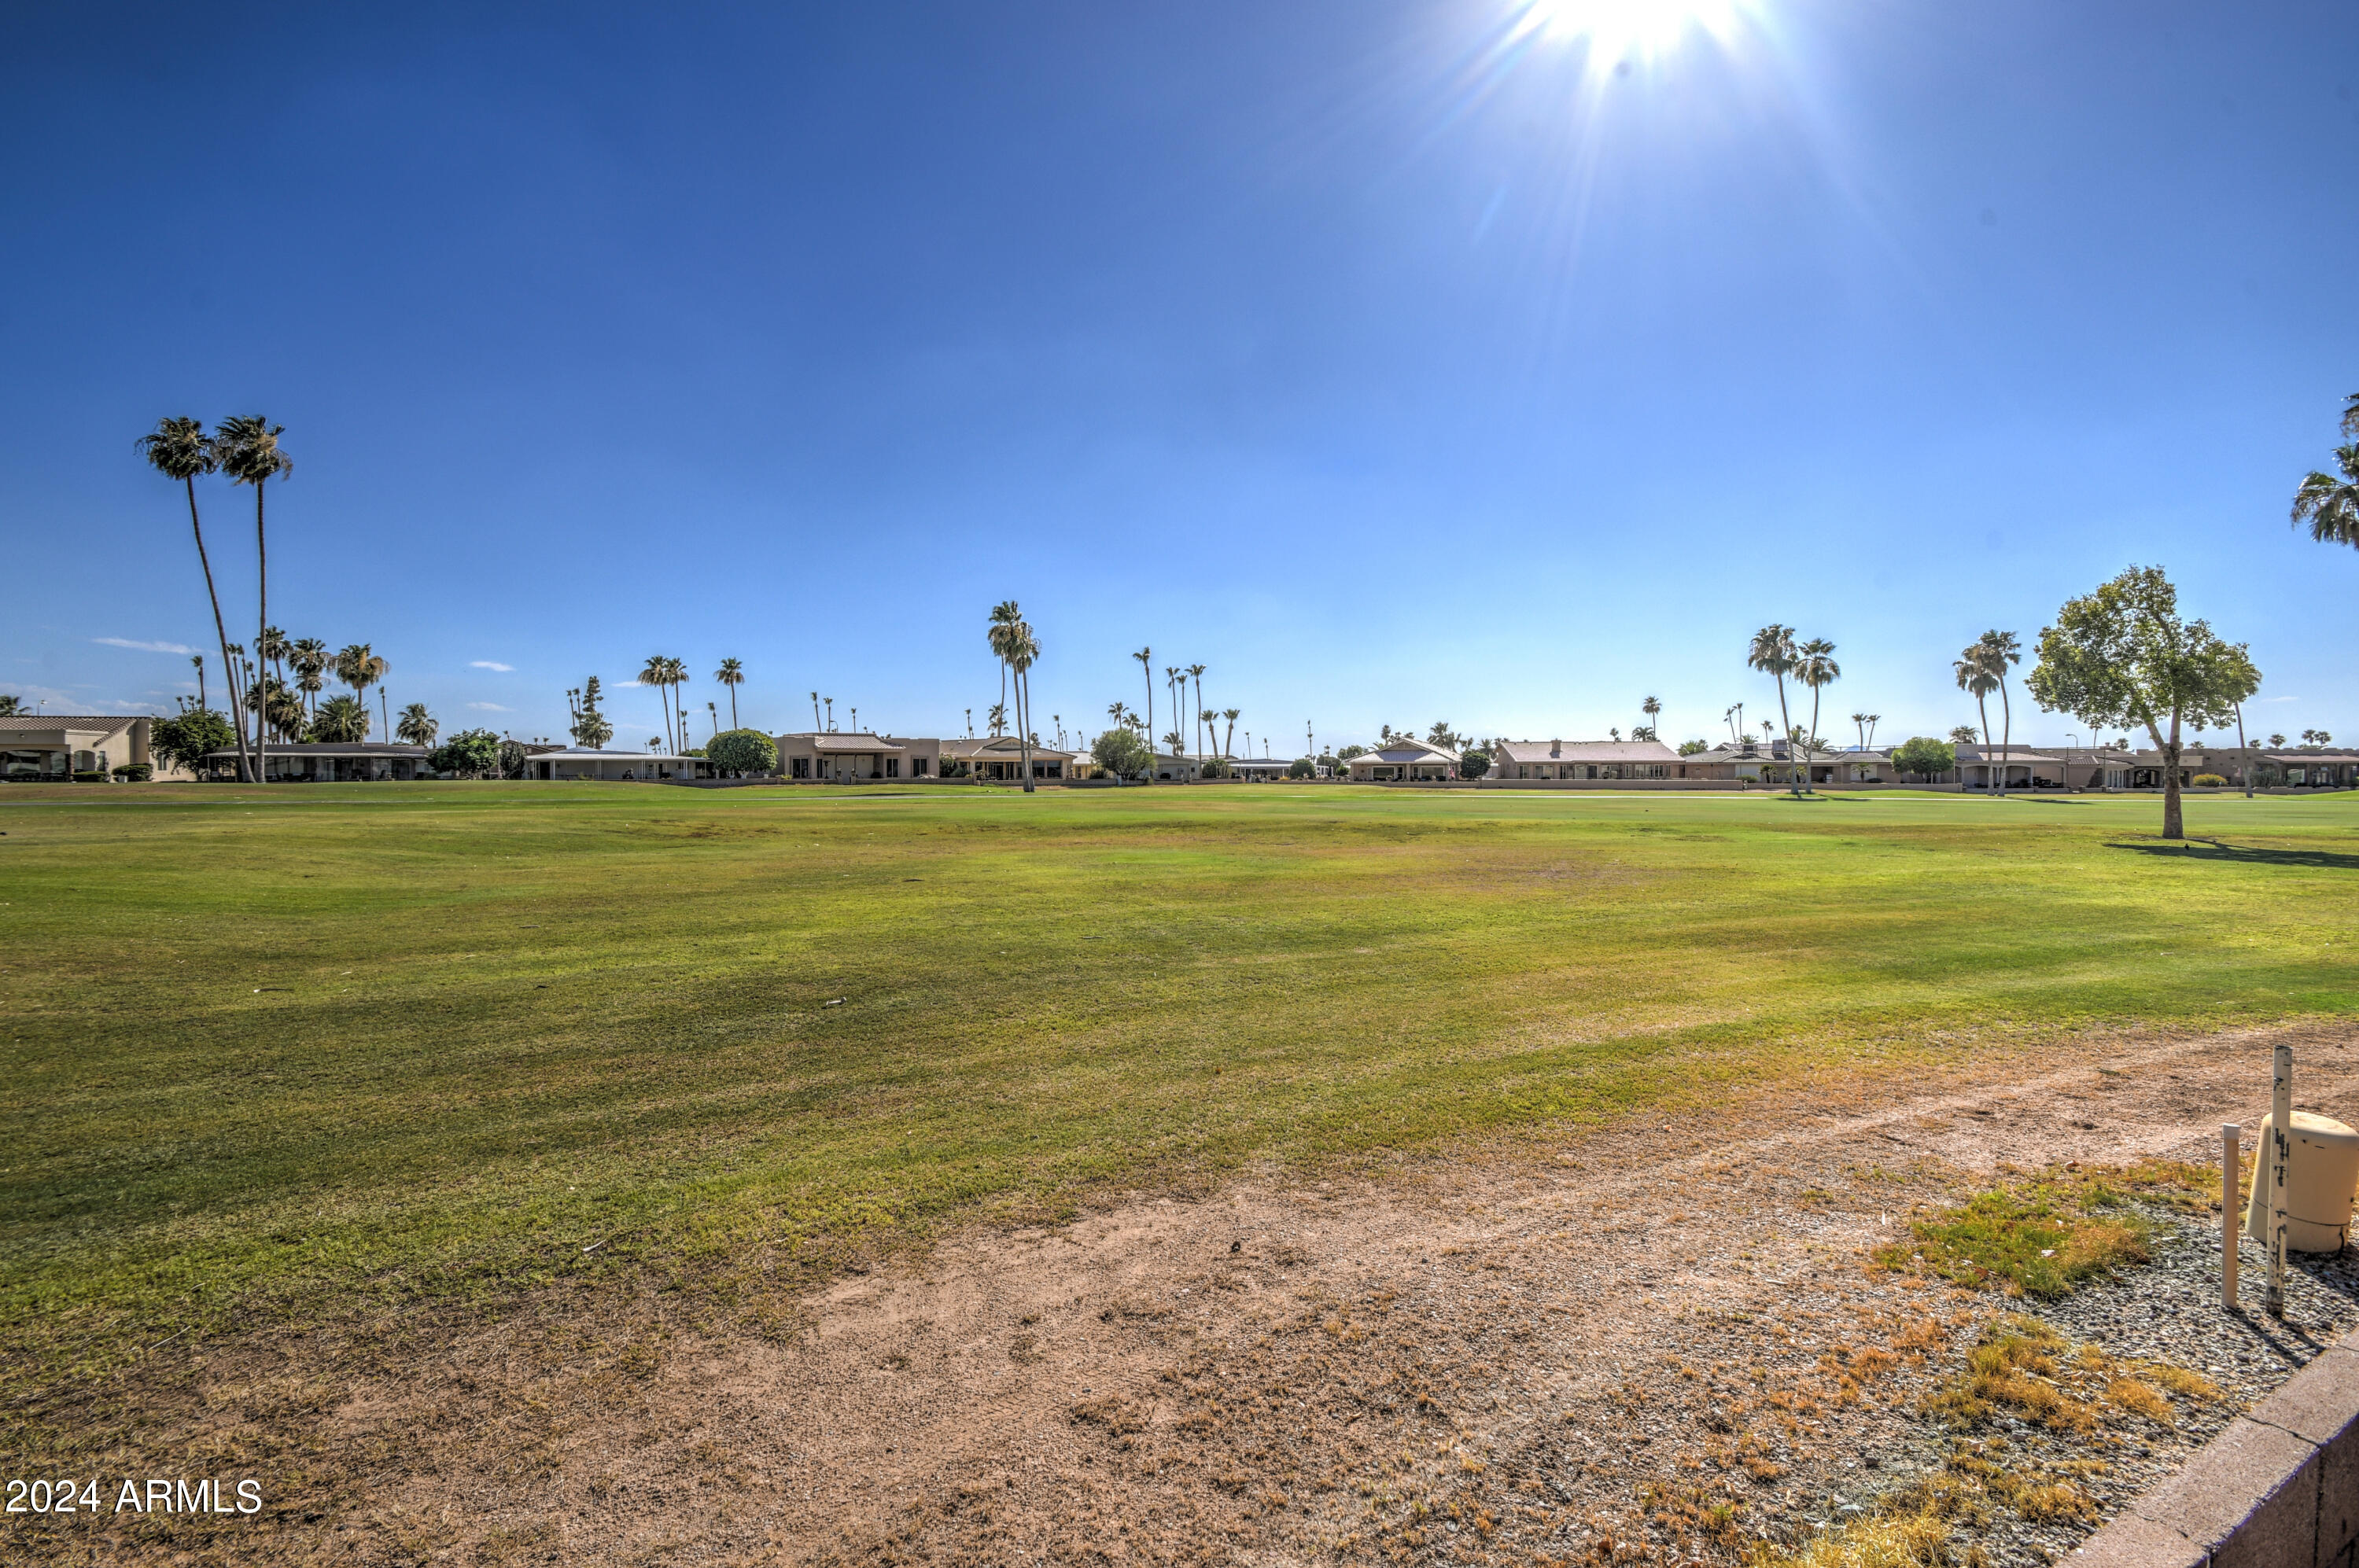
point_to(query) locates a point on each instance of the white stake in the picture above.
(2280, 1155)
(2228, 1217)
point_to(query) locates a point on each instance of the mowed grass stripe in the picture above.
(279, 1047)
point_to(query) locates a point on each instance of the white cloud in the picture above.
(491, 665)
(490, 707)
(144, 647)
(2278, 699)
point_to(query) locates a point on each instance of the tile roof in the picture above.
(15, 721)
(1585, 751)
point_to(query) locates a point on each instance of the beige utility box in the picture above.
(2320, 1177)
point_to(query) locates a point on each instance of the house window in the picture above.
(917, 767)
(892, 767)
(801, 768)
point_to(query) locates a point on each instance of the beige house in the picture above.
(829, 756)
(60, 745)
(580, 763)
(1516, 760)
(327, 762)
(1402, 759)
(1774, 762)
(1001, 758)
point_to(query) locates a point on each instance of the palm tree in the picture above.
(2002, 650)
(1198, 672)
(1859, 723)
(2328, 503)
(1973, 672)
(731, 674)
(1146, 657)
(1023, 653)
(418, 727)
(1059, 720)
(1773, 655)
(1653, 708)
(970, 714)
(657, 673)
(310, 658)
(359, 668)
(199, 659)
(246, 445)
(2276, 740)
(831, 713)
(273, 648)
(994, 718)
(179, 450)
(1815, 667)
(1228, 736)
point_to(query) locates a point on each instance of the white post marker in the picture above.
(2281, 1157)
(2229, 1135)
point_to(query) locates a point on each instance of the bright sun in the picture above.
(1616, 30)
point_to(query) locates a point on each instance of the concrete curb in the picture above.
(2279, 1489)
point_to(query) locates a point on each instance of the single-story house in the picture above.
(1402, 758)
(1516, 760)
(831, 756)
(60, 745)
(1773, 761)
(320, 762)
(634, 767)
(2022, 767)
(1001, 757)
(1258, 770)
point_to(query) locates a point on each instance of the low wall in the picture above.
(2278, 1490)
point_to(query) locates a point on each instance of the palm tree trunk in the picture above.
(733, 705)
(2244, 754)
(1814, 731)
(1147, 671)
(262, 598)
(1787, 717)
(385, 707)
(2007, 732)
(221, 628)
(1023, 724)
(1981, 706)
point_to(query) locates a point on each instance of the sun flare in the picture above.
(1616, 30)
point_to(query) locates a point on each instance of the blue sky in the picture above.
(1392, 363)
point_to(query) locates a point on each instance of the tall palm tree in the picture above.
(1859, 723)
(1023, 653)
(310, 658)
(418, 727)
(360, 669)
(2000, 651)
(1170, 681)
(970, 721)
(199, 659)
(180, 450)
(2329, 504)
(732, 674)
(1653, 708)
(1815, 667)
(247, 448)
(1228, 736)
(1146, 657)
(1772, 654)
(1198, 672)
(1975, 677)
(657, 673)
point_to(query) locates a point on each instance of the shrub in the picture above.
(2209, 781)
(1121, 753)
(182, 741)
(741, 752)
(1474, 764)
(514, 759)
(1213, 768)
(1925, 756)
(135, 773)
(471, 754)
(90, 776)
(1302, 768)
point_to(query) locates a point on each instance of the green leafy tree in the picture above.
(471, 754)
(180, 450)
(2122, 656)
(1344, 754)
(1302, 768)
(1121, 753)
(340, 719)
(741, 752)
(590, 727)
(2329, 503)
(418, 727)
(1925, 757)
(1474, 763)
(513, 760)
(185, 740)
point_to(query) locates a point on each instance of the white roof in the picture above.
(572, 753)
(1402, 749)
(1585, 751)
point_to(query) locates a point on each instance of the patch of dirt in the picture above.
(1630, 1346)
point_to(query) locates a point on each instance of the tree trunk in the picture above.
(733, 705)
(262, 598)
(2006, 734)
(1149, 671)
(1786, 718)
(2244, 754)
(1981, 706)
(221, 629)
(1814, 732)
(1024, 725)
(2174, 825)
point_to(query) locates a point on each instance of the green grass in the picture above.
(267, 1050)
(2046, 1236)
